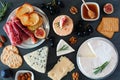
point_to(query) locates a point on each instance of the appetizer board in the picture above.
(67, 64)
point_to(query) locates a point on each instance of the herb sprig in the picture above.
(3, 9)
(101, 68)
(64, 47)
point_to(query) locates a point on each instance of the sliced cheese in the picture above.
(63, 66)
(37, 59)
(66, 51)
(87, 51)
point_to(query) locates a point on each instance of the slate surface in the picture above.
(52, 59)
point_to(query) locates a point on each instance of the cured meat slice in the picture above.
(23, 36)
(13, 36)
(27, 31)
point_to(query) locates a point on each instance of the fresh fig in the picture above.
(40, 33)
(108, 8)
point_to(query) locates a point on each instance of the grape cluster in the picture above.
(84, 30)
(53, 7)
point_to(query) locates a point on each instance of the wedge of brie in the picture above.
(87, 50)
(63, 48)
(37, 59)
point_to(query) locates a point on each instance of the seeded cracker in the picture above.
(10, 57)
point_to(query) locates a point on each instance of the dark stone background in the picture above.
(52, 58)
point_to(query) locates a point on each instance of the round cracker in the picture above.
(14, 61)
(9, 48)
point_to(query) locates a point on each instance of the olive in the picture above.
(51, 41)
(60, 4)
(89, 29)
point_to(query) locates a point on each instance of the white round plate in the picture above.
(28, 44)
(87, 64)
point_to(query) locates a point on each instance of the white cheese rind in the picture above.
(37, 59)
(63, 66)
(60, 44)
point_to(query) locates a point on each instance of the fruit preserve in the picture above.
(92, 7)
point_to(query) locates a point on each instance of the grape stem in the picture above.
(52, 3)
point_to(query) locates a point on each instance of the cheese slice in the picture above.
(63, 66)
(37, 59)
(62, 43)
(87, 50)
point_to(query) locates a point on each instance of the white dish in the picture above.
(87, 64)
(98, 8)
(24, 71)
(28, 44)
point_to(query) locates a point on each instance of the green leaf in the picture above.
(64, 47)
(3, 9)
(101, 68)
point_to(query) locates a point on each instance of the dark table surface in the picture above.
(52, 58)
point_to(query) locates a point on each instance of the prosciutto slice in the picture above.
(27, 31)
(13, 36)
(23, 36)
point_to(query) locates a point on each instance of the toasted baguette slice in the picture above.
(33, 19)
(108, 34)
(39, 24)
(30, 19)
(24, 19)
(25, 8)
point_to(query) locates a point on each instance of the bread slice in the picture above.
(30, 19)
(24, 19)
(39, 24)
(33, 19)
(108, 34)
(24, 9)
(110, 24)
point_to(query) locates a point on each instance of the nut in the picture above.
(73, 10)
(24, 76)
(1, 44)
(73, 40)
(2, 39)
(75, 76)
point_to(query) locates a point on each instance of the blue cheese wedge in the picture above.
(63, 66)
(37, 59)
(63, 48)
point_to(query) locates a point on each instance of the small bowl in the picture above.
(24, 71)
(94, 7)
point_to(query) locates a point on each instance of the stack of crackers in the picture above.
(10, 57)
(108, 26)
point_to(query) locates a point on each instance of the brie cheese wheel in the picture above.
(67, 48)
(63, 66)
(37, 59)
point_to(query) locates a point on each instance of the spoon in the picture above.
(91, 14)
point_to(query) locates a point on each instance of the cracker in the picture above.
(108, 34)
(10, 48)
(4, 57)
(10, 57)
(5, 53)
(110, 24)
(14, 60)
